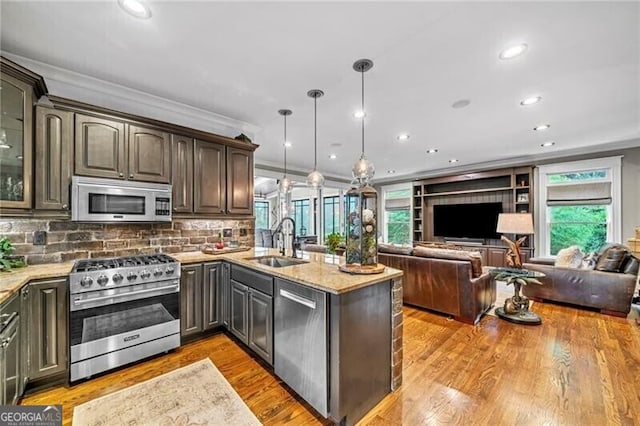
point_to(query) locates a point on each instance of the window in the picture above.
(301, 216)
(331, 211)
(397, 214)
(580, 205)
(261, 210)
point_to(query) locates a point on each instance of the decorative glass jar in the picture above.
(361, 226)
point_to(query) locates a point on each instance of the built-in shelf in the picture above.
(500, 185)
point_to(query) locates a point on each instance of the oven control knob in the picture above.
(117, 278)
(102, 280)
(86, 281)
(157, 273)
(168, 271)
(132, 276)
(145, 274)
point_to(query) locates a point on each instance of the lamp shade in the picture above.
(515, 223)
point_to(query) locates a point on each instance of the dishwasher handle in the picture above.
(298, 299)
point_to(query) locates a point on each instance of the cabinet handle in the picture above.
(64, 206)
(175, 209)
(131, 176)
(25, 292)
(121, 174)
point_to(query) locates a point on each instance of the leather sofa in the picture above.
(450, 286)
(608, 291)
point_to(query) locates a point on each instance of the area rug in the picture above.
(503, 292)
(197, 394)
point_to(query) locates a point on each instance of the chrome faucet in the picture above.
(293, 236)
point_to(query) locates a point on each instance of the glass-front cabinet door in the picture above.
(18, 89)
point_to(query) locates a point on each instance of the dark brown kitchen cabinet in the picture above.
(182, 173)
(100, 147)
(200, 294)
(496, 257)
(191, 300)
(20, 88)
(239, 311)
(47, 327)
(260, 337)
(239, 181)
(211, 295)
(111, 148)
(209, 177)
(54, 159)
(149, 155)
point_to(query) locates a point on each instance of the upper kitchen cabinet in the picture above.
(239, 181)
(100, 147)
(110, 148)
(54, 159)
(149, 155)
(19, 88)
(182, 173)
(209, 176)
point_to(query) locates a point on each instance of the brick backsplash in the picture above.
(70, 240)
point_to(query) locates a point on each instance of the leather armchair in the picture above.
(610, 292)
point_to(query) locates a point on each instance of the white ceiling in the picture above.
(246, 60)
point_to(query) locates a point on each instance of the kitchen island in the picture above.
(337, 337)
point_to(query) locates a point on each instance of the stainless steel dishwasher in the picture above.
(300, 342)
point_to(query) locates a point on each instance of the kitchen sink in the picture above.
(277, 261)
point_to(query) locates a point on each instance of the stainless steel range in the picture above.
(122, 310)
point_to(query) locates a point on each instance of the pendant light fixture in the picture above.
(315, 179)
(363, 169)
(285, 186)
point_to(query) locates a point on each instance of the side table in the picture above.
(516, 308)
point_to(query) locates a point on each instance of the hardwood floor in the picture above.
(578, 367)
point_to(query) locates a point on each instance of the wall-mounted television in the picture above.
(477, 220)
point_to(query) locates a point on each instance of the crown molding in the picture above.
(72, 85)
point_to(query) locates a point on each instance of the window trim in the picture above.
(614, 226)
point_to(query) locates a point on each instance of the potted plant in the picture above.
(333, 240)
(7, 261)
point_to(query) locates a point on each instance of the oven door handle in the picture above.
(129, 294)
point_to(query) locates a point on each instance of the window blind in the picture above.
(593, 193)
(397, 203)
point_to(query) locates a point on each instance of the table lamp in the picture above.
(515, 223)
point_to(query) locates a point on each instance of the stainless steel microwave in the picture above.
(112, 200)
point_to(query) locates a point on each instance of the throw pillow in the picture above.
(590, 261)
(632, 265)
(611, 260)
(390, 248)
(570, 257)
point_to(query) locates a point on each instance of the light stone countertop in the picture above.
(321, 272)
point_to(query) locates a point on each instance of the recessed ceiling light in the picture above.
(391, 171)
(542, 127)
(336, 144)
(462, 103)
(19, 157)
(547, 144)
(432, 151)
(287, 144)
(4, 146)
(135, 8)
(333, 156)
(513, 51)
(359, 114)
(453, 160)
(530, 101)
(403, 136)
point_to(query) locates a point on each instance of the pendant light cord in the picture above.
(363, 113)
(315, 132)
(285, 146)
